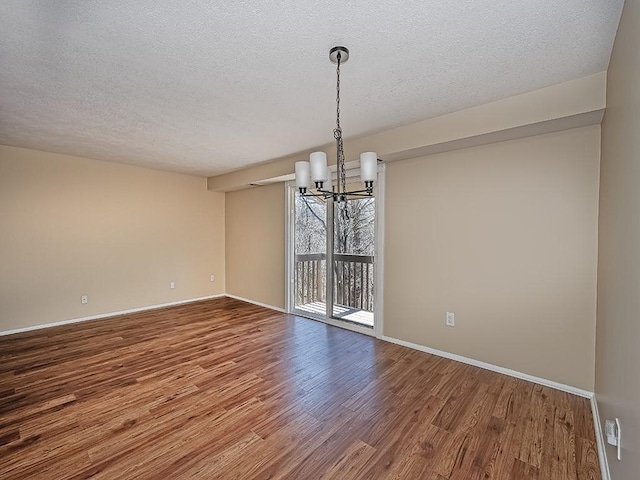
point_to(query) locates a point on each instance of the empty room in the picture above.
(320, 240)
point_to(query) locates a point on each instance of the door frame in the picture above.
(378, 271)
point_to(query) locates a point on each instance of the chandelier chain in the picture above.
(337, 133)
(338, 129)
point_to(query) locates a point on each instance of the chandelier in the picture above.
(316, 169)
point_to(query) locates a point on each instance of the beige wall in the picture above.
(558, 107)
(618, 325)
(255, 245)
(71, 226)
(504, 236)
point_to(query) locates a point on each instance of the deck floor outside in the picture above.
(355, 315)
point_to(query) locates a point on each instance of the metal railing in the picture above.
(352, 285)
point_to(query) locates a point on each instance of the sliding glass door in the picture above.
(332, 256)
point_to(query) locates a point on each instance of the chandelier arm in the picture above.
(319, 193)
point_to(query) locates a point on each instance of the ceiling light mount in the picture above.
(344, 54)
(316, 168)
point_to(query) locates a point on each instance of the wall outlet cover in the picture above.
(450, 319)
(611, 432)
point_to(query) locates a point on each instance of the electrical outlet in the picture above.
(172, 285)
(213, 278)
(450, 319)
(84, 299)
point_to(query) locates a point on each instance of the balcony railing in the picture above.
(353, 280)
(311, 278)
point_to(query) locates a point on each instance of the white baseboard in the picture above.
(493, 368)
(110, 314)
(260, 304)
(602, 454)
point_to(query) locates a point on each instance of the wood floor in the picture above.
(224, 389)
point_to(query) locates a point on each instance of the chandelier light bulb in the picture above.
(303, 178)
(368, 166)
(318, 162)
(328, 184)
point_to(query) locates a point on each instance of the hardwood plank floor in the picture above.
(225, 389)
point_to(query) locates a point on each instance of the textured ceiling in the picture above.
(207, 87)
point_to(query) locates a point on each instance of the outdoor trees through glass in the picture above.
(352, 269)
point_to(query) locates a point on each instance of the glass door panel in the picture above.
(310, 256)
(353, 259)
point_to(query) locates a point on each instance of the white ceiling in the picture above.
(207, 87)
